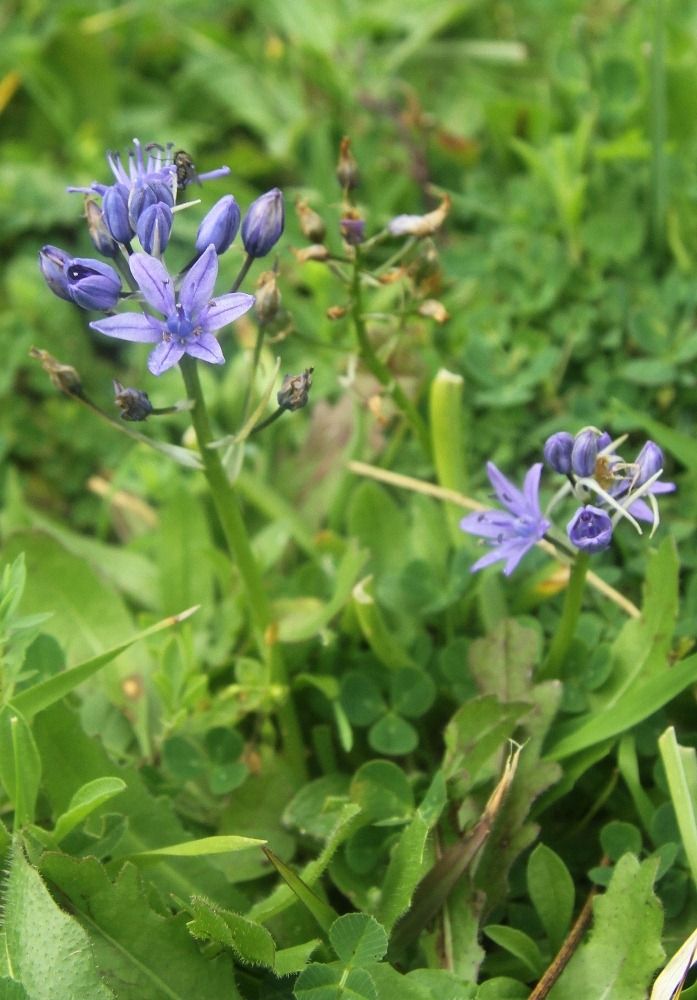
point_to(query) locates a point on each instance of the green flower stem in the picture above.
(377, 367)
(242, 274)
(256, 354)
(561, 642)
(235, 532)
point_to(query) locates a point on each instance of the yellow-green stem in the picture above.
(561, 643)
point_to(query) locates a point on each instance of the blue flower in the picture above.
(189, 324)
(513, 531)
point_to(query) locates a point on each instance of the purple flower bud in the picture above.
(154, 228)
(649, 461)
(134, 404)
(102, 239)
(52, 262)
(220, 225)
(353, 231)
(557, 452)
(144, 196)
(584, 452)
(115, 212)
(590, 529)
(263, 223)
(92, 284)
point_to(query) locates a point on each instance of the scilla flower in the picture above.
(513, 531)
(189, 323)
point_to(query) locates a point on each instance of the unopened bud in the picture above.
(268, 297)
(220, 225)
(115, 212)
(311, 224)
(154, 228)
(52, 261)
(347, 167)
(93, 284)
(64, 377)
(295, 390)
(263, 223)
(557, 452)
(102, 239)
(353, 230)
(134, 404)
(649, 461)
(144, 196)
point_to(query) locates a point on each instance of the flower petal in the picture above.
(227, 308)
(197, 287)
(166, 355)
(531, 488)
(153, 281)
(130, 326)
(507, 494)
(492, 524)
(206, 348)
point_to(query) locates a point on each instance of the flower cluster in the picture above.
(140, 205)
(594, 470)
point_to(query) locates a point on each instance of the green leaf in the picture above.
(518, 944)
(20, 764)
(198, 848)
(475, 734)
(376, 521)
(381, 639)
(358, 939)
(551, 890)
(85, 800)
(250, 942)
(393, 736)
(294, 959)
(680, 764)
(624, 948)
(321, 911)
(503, 661)
(502, 988)
(45, 693)
(330, 982)
(47, 950)
(383, 792)
(143, 953)
(11, 989)
(618, 838)
(412, 692)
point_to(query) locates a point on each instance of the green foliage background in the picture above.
(566, 136)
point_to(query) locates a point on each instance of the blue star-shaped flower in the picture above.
(189, 323)
(513, 531)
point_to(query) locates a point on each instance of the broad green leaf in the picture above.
(294, 959)
(502, 988)
(143, 953)
(618, 838)
(85, 800)
(48, 951)
(412, 692)
(20, 764)
(314, 809)
(383, 792)
(681, 771)
(45, 693)
(331, 982)
(250, 942)
(623, 950)
(519, 944)
(12, 989)
(552, 892)
(381, 639)
(502, 663)
(358, 939)
(377, 522)
(393, 736)
(475, 734)
(439, 984)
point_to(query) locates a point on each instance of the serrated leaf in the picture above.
(358, 939)
(551, 890)
(142, 952)
(47, 950)
(294, 959)
(624, 947)
(249, 941)
(85, 800)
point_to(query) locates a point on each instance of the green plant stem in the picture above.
(561, 642)
(227, 507)
(658, 131)
(377, 367)
(256, 354)
(242, 274)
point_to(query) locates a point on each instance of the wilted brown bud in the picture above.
(311, 224)
(336, 312)
(347, 168)
(433, 309)
(315, 252)
(393, 275)
(295, 390)
(99, 234)
(268, 297)
(133, 403)
(420, 225)
(64, 377)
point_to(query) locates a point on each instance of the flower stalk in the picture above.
(563, 637)
(228, 510)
